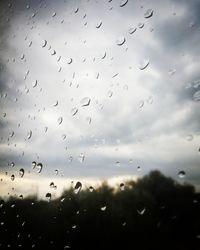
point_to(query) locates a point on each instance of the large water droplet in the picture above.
(85, 101)
(196, 96)
(77, 187)
(60, 119)
(123, 3)
(21, 172)
(143, 64)
(74, 111)
(39, 167)
(120, 40)
(148, 13)
(181, 174)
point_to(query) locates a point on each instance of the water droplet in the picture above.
(12, 177)
(54, 14)
(196, 96)
(70, 159)
(140, 25)
(189, 137)
(141, 104)
(12, 133)
(122, 186)
(55, 103)
(48, 196)
(39, 167)
(69, 60)
(123, 3)
(30, 43)
(22, 57)
(89, 120)
(138, 168)
(4, 114)
(143, 64)
(148, 13)
(103, 208)
(53, 52)
(103, 55)
(51, 185)
(85, 101)
(141, 211)
(110, 93)
(21, 172)
(45, 129)
(91, 189)
(120, 40)
(34, 164)
(98, 25)
(74, 111)
(76, 10)
(60, 119)
(181, 174)
(77, 187)
(35, 83)
(132, 30)
(81, 157)
(12, 164)
(44, 43)
(56, 172)
(29, 134)
(117, 163)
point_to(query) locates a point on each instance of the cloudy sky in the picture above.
(98, 90)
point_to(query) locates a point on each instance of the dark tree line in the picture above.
(153, 213)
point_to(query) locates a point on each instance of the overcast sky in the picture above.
(95, 89)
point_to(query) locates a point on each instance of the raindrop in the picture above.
(196, 96)
(123, 3)
(21, 172)
(132, 30)
(39, 167)
(140, 25)
(29, 134)
(76, 10)
(12, 164)
(103, 55)
(21, 196)
(34, 164)
(12, 177)
(141, 211)
(74, 111)
(120, 40)
(141, 104)
(181, 174)
(110, 93)
(85, 101)
(143, 64)
(69, 60)
(53, 52)
(98, 25)
(91, 189)
(54, 14)
(122, 186)
(51, 185)
(12, 133)
(77, 187)
(148, 13)
(35, 83)
(22, 57)
(81, 157)
(44, 43)
(48, 196)
(103, 208)
(55, 103)
(56, 172)
(60, 119)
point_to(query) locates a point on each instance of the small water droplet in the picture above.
(34, 164)
(54, 14)
(141, 211)
(123, 3)
(60, 119)
(91, 189)
(110, 93)
(70, 159)
(22, 57)
(81, 157)
(29, 134)
(148, 13)
(12, 177)
(44, 43)
(39, 167)
(141, 104)
(98, 25)
(74, 111)
(140, 25)
(189, 137)
(12, 164)
(21, 172)
(122, 186)
(48, 196)
(85, 101)
(138, 168)
(53, 52)
(132, 30)
(55, 103)
(143, 64)
(89, 120)
(56, 171)
(103, 208)
(196, 96)
(51, 185)
(12, 133)
(77, 187)
(69, 60)
(76, 10)
(117, 163)
(35, 83)
(181, 174)
(120, 40)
